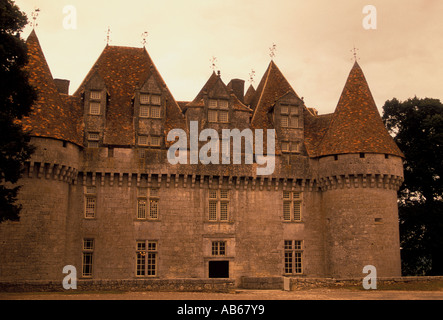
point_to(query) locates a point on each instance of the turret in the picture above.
(360, 171)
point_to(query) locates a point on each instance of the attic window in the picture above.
(222, 104)
(150, 106)
(96, 95)
(94, 108)
(289, 116)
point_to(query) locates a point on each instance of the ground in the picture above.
(306, 294)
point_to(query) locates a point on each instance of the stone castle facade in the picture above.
(99, 193)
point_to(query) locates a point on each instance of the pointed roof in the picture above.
(356, 125)
(123, 70)
(215, 85)
(52, 115)
(249, 95)
(272, 87)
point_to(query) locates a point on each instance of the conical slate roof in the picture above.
(53, 115)
(356, 125)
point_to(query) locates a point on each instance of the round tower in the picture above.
(360, 171)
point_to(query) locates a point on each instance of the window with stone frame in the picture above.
(218, 110)
(93, 139)
(90, 202)
(293, 257)
(289, 116)
(292, 206)
(150, 106)
(218, 248)
(95, 97)
(87, 257)
(147, 203)
(218, 205)
(146, 258)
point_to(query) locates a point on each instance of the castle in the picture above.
(99, 193)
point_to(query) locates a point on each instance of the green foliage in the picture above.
(417, 127)
(16, 99)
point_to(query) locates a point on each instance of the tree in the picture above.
(417, 127)
(16, 99)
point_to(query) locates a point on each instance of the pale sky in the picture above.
(401, 58)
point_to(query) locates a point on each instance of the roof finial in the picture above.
(34, 15)
(355, 54)
(251, 77)
(108, 36)
(144, 36)
(213, 61)
(272, 51)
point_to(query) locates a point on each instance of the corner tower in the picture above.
(360, 170)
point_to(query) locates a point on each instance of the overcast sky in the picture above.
(401, 58)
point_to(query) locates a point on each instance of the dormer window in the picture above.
(94, 102)
(93, 139)
(150, 106)
(218, 110)
(289, 116)
(290, 147)
(153, 141)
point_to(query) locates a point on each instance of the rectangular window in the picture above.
(144, 111)
(218, 248)
(146, 258)
(218, 205)
(284, 121)
(212, 116)
(155, 141)
(87, 260)
(285, 146)
(93, 136)
(96, 95)
(147, 196)
(155, 112)
(144, 98)
(141, 258)
(293, 122)
(143, 140)
(90, 202)
(155, 100)
(223, 116)
(293, 257)
(292, 206)
(295, 147)
(93, 144)
(94, 108)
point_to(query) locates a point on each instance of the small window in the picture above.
(96, 95)
(144, 98)
(218, 248)
(212, 116)
(285, 121)
(146, 258)
(147, 203)
(155, 141)
(218, 205)
(94, 108)
(292, 206)
(293, 255)
(284, 110)
(144, 111)
(155, 100)
(362, 155)
(285, 146)
(93, 136)
(143, 140)
(294, 122)
(155, 112)
(223, 116)
(90, 202)
(87, 261)
(295, 147)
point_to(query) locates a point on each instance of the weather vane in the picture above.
(354, 51)
(108, 36)
(213, 61)
(251, 77)
(34, 15)
(144, 36)
(272, 50)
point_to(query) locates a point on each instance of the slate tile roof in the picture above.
(124, 69)
(53, 115)
(356, 125)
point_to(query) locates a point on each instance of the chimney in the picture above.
(62, 85)
(238, 87)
